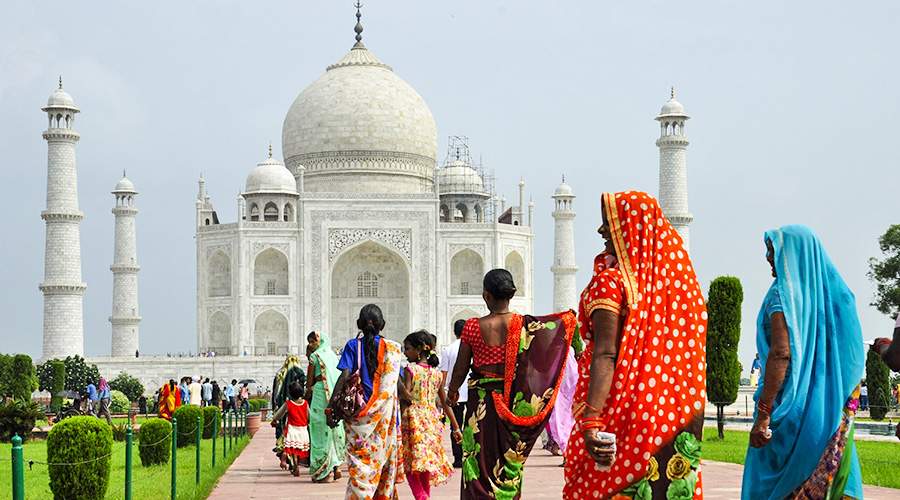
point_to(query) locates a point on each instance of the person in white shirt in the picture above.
(448, 361)
(207, 392)
(196, 391)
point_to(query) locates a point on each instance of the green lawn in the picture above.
(879, 461)
(147, 482)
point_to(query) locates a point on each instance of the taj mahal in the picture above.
(361, 210)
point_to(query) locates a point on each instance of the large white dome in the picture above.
(361, 128)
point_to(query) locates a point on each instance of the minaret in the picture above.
(125, 317)
(62, 286)
(672, 144)
(565, 295)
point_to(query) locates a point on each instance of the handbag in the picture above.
(352, 397)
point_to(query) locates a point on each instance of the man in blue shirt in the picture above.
(93, 403)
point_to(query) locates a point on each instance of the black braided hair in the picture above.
(421, 339)
(499, 283)
(370, 323)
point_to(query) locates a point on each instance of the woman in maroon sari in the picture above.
(517, 364)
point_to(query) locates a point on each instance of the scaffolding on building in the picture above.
(458, 151)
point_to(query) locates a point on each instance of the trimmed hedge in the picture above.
(155, 440)
(186, 416)
(87, 442)
(118, 402)
(208, 428)
(57, 383)
(257, 404)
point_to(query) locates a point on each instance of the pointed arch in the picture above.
(466, 273)
(271, 212)
(515, 264)
(387, 270)
(219, 336)
(270, 273)
(270, 333)
(464, 314)
(218, 275)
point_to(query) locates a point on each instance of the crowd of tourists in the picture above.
(190, 391)
(619, 387)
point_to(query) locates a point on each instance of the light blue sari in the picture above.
(827, 361)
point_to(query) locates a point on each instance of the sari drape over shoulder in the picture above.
(506, 413)
(811, 451)
(658, 392)
(326, 444)
(373, 437)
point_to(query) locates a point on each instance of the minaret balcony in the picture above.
(62, 289)
(125, 320)
(563, 269)
(124, 268)
(64, 134)
(680, 219)
(673, 141)
(76, 216)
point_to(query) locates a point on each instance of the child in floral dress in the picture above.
(296, 434)
(424, 458)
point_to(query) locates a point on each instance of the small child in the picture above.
(424, 458)
(296, 435)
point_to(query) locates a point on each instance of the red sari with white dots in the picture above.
(655, 405)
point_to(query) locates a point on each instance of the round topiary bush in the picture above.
(210, 423)
(87, 442)
(118, 402)
(155, 438)
(187, 424)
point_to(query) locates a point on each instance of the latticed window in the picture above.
(270, 287)
(464, 288)
(367, 285)
(270, 348)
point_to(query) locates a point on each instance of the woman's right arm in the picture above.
(607, 326)
(777, 362)
(891, 353)
(460, 370)
(310, 379)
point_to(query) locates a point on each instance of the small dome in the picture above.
(564, 190)
(271, 176)
(61, 99)
(460, 178)
(124, 186)
(672, 107)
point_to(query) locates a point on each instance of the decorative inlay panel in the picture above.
(215, 248)
(398, 239)
(261, 308)
(281, 247)
(456, 247)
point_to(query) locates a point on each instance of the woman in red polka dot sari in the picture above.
(642, 377)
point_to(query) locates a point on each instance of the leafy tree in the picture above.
(878, 381)
(723, 370)
(79, 374)
(130, 386)
(17, 377)
(886, 273)
(57, 382)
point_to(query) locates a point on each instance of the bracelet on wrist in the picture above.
(767, 409)
(328, 411)
(594, 424)
(880, 343)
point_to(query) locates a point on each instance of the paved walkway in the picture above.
(256, 475)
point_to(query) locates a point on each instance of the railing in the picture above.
(234, 427)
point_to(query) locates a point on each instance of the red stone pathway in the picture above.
(256, 475)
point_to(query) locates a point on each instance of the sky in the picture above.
(793, 108)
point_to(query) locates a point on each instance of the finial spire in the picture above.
(123, 173)
(358, 29)
(270, 149)
(60, 81)
(564, 178)
(672, 95)
(457, 153)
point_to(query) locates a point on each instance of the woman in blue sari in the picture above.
(810, 343)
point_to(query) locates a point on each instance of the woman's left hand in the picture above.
(457, 436)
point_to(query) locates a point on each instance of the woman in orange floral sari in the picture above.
(169, 399)
(373, 436)
(642, 379)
